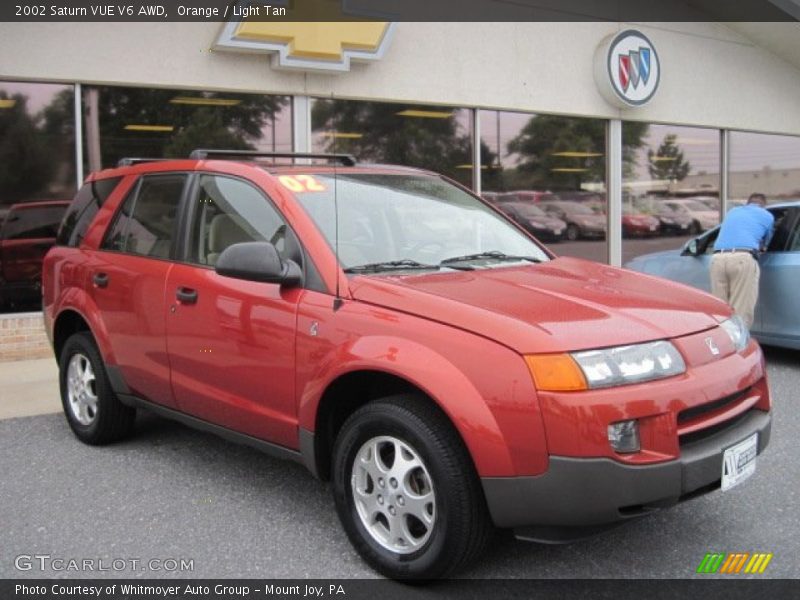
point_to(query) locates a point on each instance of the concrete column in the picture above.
(614, 188)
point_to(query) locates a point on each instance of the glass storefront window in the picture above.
(764, 163)
(37, 167)
(138, 122)
(548, 173)
(37, 142)
(670, 190)
(429, 137)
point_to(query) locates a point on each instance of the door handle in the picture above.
(186, 295)
(100, 280)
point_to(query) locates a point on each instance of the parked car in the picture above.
(673, 222)
(776, 318)
(26, 234)
(703, 218)
(527, 196)
(445, 386)
(637, 224)
(581, 220)
(535, 220)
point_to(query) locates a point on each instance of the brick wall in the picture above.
(22, 337)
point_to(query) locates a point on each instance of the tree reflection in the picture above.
(375, 132)
(229, 121)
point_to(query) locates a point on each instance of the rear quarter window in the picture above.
(84, 207)
(32, 223)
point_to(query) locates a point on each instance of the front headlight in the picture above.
(605, 368)
(737, 331)
(629, 364)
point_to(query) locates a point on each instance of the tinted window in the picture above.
(30, 223)
(145, 224)
(230, 211)
(83, 209)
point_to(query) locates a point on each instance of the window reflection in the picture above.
(137, 122)
(429, 137)
(37, 125)
(764, 163)
(671, 177)
(555, 163)
(37, 177)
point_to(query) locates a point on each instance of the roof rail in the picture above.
(128, 161)
(347, 160)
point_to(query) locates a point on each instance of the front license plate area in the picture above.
(739, 462)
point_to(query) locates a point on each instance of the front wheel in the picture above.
(93, 411)
(406, 490)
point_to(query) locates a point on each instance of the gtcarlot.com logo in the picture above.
(47, 562)
(735, 563)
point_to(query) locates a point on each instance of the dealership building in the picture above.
(622, 114)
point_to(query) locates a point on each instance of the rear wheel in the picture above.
(573, 232)
(406, 490)
(93, 411)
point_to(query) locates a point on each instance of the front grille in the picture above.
(690, 414)
(696, 436)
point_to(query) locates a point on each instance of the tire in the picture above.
(93, 411)
(573, 232)
(454, 526)
(694, 228)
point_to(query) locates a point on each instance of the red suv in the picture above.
(398, 336)
(26, 234)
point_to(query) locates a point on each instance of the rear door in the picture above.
(127, 279)
(232, 342)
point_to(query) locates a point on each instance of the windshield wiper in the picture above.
(491, 255)
(390, 265)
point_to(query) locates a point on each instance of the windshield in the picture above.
(574, 208)
(696, 206)
(413, 221)
(527, 210)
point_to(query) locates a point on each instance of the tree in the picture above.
(667, 163)
(236, 126)
(566, 152)
(25, 158)
(379, 134)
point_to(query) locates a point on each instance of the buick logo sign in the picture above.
(627, 70)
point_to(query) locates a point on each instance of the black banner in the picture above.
(397, 10)
(254, 589)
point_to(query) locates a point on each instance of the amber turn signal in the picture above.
(556, 373)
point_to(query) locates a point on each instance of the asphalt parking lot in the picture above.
(171, 493)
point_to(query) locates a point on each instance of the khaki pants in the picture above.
(734, 279)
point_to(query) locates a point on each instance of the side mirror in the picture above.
(690, 248)
(258, 261)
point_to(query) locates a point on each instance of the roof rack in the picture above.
(347, 160)
(128, 161)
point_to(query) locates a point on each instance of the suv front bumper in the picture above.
(594, 492)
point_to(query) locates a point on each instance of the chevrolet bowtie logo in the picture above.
(309, 45)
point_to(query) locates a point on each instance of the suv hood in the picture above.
(563, 305)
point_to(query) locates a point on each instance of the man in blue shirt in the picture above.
(744, 233)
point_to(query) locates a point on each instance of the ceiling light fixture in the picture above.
(197, 101)
(162, 128)
(425, 114)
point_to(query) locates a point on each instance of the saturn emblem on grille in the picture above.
(712, 346)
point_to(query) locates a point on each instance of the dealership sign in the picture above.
(627, 69)
(308, 46)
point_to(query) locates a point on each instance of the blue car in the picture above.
(777, 318)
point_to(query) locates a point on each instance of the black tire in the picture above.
(694, 228)
(573, 232)
(111, 420)
(461, 527)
